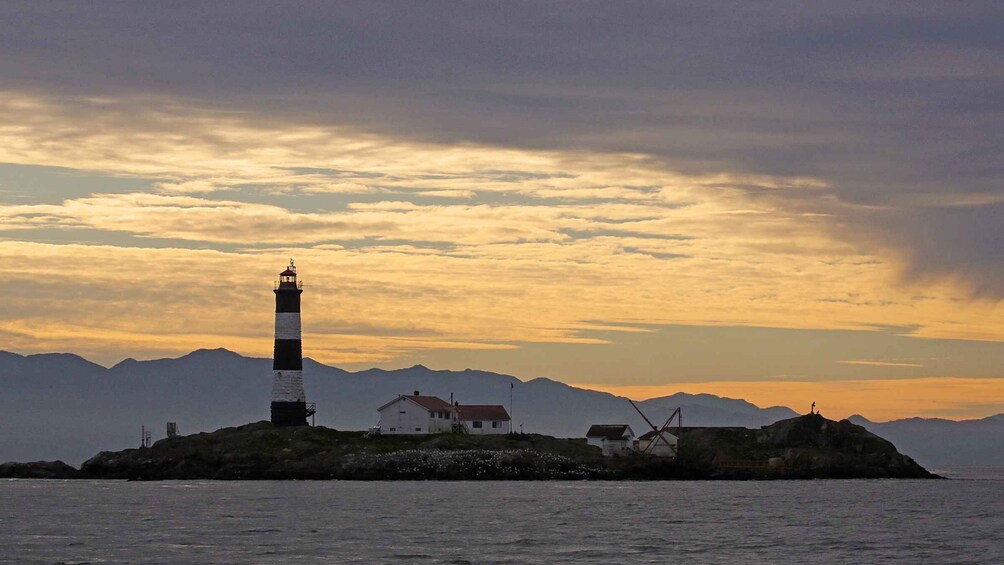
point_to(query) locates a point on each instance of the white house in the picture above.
(416, 414)
(613, 439)
(484, 419)
(651, 444)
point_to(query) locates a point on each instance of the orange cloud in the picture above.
(881, 363)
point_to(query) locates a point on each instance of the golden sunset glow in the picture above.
(582, 238)
(143, 222)
(878, 399)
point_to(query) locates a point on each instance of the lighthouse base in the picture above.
(289, 413)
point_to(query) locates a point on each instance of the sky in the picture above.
(776, 201)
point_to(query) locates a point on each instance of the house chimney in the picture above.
(416, 393)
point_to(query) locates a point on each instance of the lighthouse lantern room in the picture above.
(289, 404)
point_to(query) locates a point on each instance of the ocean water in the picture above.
(853, 521)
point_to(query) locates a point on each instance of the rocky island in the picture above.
(806, 447)
(38, 470)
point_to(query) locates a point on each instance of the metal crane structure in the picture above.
(660, 433)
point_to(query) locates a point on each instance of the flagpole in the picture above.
(511, 386)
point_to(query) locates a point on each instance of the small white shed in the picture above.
(613, 439)
(484, 419)
(652, 444)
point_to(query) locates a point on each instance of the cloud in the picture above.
(545, 194)
(484, 177)
(877, 363)
(882, 105)
(484, 289)
(191, 186)
(546, 240)
(222, 152)
(223, 221)
(340, 188)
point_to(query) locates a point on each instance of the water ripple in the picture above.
(839, 522)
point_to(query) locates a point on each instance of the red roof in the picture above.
(430, 402)
(470, 412)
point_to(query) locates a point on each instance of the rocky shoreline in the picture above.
(806, 447)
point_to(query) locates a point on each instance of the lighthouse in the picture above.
(289, 403)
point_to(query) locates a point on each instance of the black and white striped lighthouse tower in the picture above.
(289, 403)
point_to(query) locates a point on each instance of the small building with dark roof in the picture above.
(613, 439)
(484, 419)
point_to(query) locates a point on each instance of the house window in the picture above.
(418, 429)
(476, 424)
(495, 424)
(393, 429)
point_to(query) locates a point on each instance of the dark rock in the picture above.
(806, 447)
(38, 470)
(262, 451)
(797, 448)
